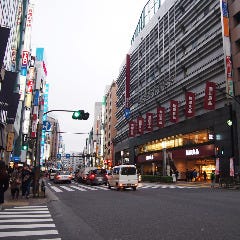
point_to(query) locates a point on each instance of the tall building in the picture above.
(16, 18)
(109, 124)
(175, 91)
(234, 22)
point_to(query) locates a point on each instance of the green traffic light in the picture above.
(24, 147)
(76, 115)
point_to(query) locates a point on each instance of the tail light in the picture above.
(92, 176)
(58, 176)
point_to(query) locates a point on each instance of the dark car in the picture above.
(97, 177)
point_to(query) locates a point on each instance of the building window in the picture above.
(236, 18)
(238, 45)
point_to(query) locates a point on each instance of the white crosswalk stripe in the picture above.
(28, 221)
(83, 187)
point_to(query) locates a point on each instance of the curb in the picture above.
(49, 196)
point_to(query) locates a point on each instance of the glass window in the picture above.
(128, 171)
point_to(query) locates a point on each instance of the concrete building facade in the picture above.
(177, 88)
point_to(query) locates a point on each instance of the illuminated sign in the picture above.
(191, 152)
(25, 55)
(149, 157)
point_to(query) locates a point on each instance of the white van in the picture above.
(123, 176)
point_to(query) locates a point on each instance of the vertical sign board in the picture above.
(227, 47)
(10, 139)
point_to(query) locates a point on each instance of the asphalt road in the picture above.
(148, 213)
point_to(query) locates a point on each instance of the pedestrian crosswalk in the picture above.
(78, 187)
(27, 222)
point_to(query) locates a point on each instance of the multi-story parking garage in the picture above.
(177, 85)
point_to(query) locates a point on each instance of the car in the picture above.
(97, 177)
(52, 173)
(81, 175)
(62, 177)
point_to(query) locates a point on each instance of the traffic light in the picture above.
(25, 146)
(80, 115)
(24, 142)
(229, 122)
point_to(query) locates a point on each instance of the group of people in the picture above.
(18, 178)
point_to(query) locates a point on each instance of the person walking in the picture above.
(204, 176)
(26, 181)
(212, 177)
(15, 182)
(4, 182)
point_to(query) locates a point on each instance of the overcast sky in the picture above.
(85, 42)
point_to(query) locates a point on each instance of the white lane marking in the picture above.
(67, 188)
(90, 188)
(100, 187)
(32, 206)
(56, 189)
(26, 220)
(47, 225)
(25, 209)
(156, 187)
(50, 239)
(146, 186)
(79, 188)
(28, 233)
(28, 212)
(25, 216)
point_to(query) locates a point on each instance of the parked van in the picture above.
(123, 176)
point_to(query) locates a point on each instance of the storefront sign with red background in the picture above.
(190, 104)
(149, 121)
(179, 154)
(160, 117)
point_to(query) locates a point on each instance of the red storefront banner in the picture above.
(210, 96)
(127, 82)
(140, 125)
(174, 111)
(160, 117)
(149, 121)
(131, 129)
(190, 104)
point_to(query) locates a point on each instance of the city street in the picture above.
(154, 211)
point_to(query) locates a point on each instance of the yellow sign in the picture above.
(10, 139)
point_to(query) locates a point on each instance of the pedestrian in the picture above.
(177, 174)
(15, 182)
(212, 177)
(26, 181)
(194, 175)
(204, 176)
(4, 182)
(187, 175)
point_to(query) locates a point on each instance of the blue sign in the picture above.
(16, 159)
(58, 156)
(127, 112)
(46, 125)
(67, 155)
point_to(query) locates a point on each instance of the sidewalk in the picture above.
(38, 200)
